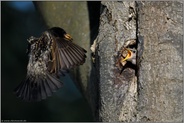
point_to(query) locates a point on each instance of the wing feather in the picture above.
(69, 60)
(73, 55)
(67, 55)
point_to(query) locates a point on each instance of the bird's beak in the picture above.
(129, 55)
(68, 37)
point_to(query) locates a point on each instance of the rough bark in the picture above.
(160, 30)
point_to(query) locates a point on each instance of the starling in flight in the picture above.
(50, 56)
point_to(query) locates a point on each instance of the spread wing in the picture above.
(65, 55)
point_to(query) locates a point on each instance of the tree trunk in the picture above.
(157, 28)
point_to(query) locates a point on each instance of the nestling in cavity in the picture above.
(126, 54)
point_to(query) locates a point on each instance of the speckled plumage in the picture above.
(50, 56)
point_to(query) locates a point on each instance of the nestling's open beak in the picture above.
(129, 55)
(68, 37)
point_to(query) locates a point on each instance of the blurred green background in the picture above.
(19, 21)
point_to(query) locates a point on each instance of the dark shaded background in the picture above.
(67, 104)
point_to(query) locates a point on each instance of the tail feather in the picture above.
(43, 90)
(37, 89)
(20, 89)
(55, 84)
(26, 91)
(47, 88)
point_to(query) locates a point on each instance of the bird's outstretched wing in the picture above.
(65, 55)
